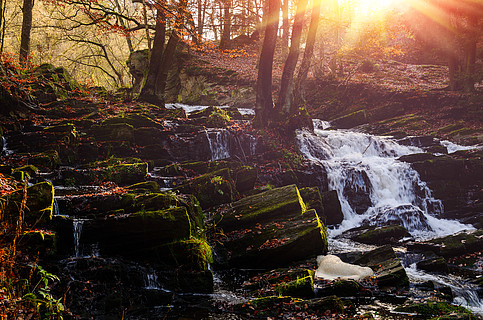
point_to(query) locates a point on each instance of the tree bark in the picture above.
(148, 93)
(225, 37)
(26, 28)
(284, 102)
(300, 117)
(264, 102)
(470, 54)
(285, 28)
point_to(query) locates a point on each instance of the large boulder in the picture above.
(388, 270)
(269, 229)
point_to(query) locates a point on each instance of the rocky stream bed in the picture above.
(189, 213)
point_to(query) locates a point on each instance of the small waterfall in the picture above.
(151, 281)
(218, 141)
(464, 293)
(5, 151)
(375, 188)
(77, 224)
(55, 208)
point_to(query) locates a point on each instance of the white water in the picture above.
(219, 142)
(5, 150)
(77, 224)
(453, 147)
(368, 165)
(465, 294)
(190, 109)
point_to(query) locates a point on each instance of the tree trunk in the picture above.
(200, 20)
(300, 117)
(307, 59)
(283, 106)
(285, 28)
(225, 37)
(470, 54)
(264, 103)
(26, 28)
(148, 92)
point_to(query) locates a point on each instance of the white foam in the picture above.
(330, 267)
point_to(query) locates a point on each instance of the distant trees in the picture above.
(290, 107)
(454, 27)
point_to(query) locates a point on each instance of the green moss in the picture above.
(383, 235)
(38, 241)
(431, 309)
(48, 159)
(300, 288)
(123, 174)
(145, 187)
(191, 254)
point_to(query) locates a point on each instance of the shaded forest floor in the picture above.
(396, 96)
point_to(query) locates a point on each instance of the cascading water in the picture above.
(77, 224)
(5, 151)
(218, 141)
(375, 188)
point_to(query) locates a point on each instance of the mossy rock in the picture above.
(160, 201)
(121, 174)
(61, 128)
(139, 235)
(322, 305)
(144, 187)
(277, 276)
(192, 254)
(211, 189)
(388, 270)
(382, 235)
(276, 242)
(115, 131)
(299, 288)
(136, 120)
(38, 208)
(351, 120)
(245, 178)
(460, 244)
(38, 241)
(313, 199)
(435, 264)
(430, 309)
(29, 169)
(278, 203)
(341, 288)
(48, 159)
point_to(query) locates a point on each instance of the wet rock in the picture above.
(419, 141)
(144, 187)
(460, 244)
(38, 242)
(389, 272)
(137, 120)
(408, 216)
(357, 190)
(211, 189)
(435, 264)
(121, 173)
(268, 229)
(300, 288)
(313, 200)
(341, 288)
(112, 131)
(332, 209)
(382, 235)
(245, 178)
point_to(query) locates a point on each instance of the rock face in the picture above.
(455, 179)
(269, 229)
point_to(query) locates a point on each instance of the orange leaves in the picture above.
(273, 243)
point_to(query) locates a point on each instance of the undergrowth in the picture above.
(25, 287)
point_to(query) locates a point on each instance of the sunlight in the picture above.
(370, 7)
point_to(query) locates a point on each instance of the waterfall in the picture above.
(375, 188)
(77, 224)
(5, 151)
(465, 293)
(151, 281)
(218, 141)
